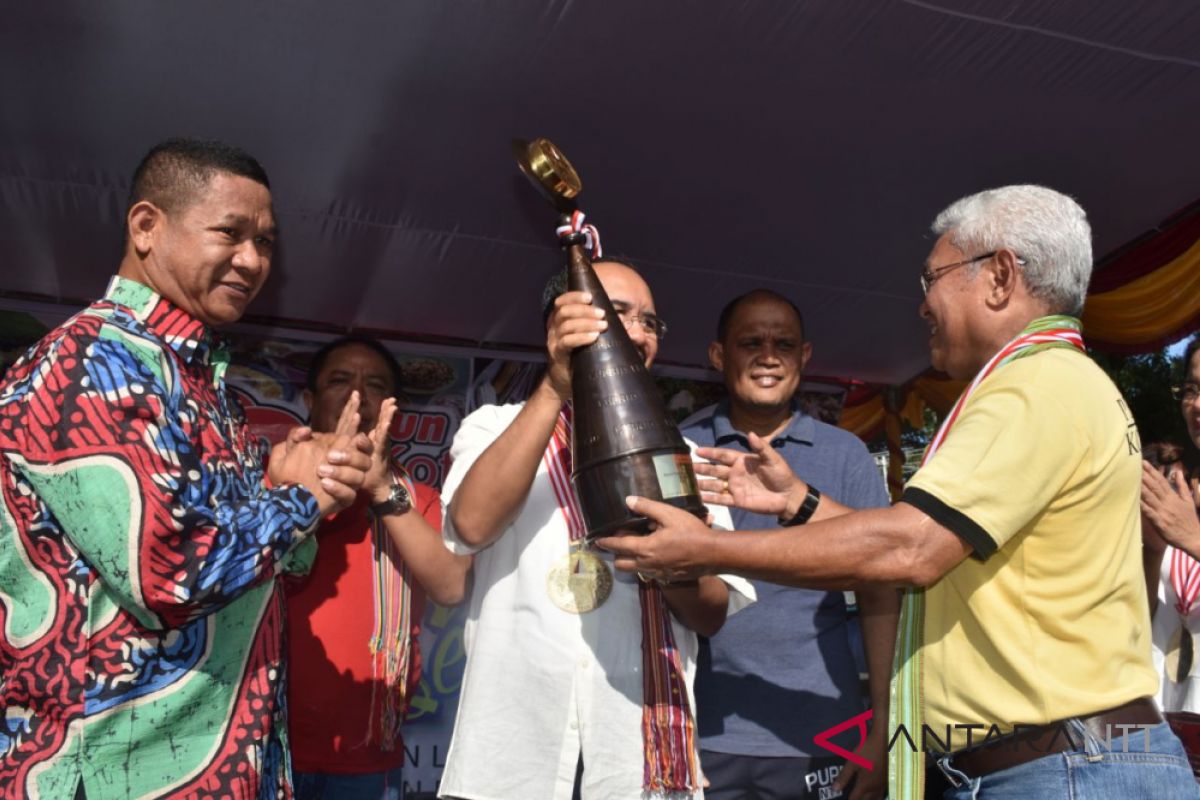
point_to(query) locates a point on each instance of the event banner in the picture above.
(436, 392)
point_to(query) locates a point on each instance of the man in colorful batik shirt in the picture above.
(1023, 651)
(140, 650)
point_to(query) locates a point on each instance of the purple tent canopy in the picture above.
(804, 147)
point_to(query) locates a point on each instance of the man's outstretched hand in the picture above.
(759, 481)
(678, 549)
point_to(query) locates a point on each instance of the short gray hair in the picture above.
(1046, 229)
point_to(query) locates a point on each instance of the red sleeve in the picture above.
(429, 503)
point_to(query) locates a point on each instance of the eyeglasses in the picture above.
(651, 324)
(1186, 393)
(930, 276)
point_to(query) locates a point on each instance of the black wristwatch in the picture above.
(399, 501)
(807, 508)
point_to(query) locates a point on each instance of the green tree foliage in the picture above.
(1146, 382)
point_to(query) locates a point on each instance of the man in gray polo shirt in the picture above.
(782, 671)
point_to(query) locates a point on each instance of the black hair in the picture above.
(176, 170)
(322, 357)
(557, 284)
(1191, 453)
(1162, 453)
(754, 294)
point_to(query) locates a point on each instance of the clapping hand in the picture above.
(378, 480)
(1169, 505)
(330, 465)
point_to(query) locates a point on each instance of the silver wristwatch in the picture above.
(399, 501)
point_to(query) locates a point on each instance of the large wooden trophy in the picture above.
(623, 441)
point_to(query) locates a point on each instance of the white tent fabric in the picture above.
(801, 146)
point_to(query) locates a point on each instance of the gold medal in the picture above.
(1180, 654)
(580, 582)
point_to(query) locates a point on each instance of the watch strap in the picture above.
(399, 501)
(809, 507)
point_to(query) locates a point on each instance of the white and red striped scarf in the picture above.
(668, 726)
(1185, 580)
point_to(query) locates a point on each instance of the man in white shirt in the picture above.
(552, 698)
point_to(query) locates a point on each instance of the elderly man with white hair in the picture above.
(1022, 662)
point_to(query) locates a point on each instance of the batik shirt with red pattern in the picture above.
(140, 622)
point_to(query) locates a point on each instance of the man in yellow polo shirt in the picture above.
(1049, 620)
(1023, 655)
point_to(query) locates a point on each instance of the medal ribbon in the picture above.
(668, 727)
(558, 464)
(906, 766)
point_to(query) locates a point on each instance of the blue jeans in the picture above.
(334, 786)
(1149, 765)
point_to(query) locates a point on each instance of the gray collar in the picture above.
(802, 427)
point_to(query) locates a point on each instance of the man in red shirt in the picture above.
(353, 621)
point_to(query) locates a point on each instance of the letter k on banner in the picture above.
(860, 722)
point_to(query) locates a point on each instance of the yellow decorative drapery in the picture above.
(1148, 312)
